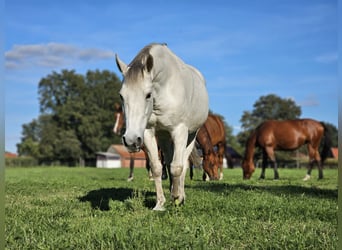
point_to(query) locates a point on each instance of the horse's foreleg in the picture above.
(181, 155)
(156, 166)
(320, 170)
(264, 165)
(275, 168)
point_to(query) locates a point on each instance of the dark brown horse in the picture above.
(286, 135)
(212, 136)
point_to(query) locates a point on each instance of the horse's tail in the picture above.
(195, 158)
(228, 156)
(326, 143)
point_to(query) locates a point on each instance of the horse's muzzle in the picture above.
(132, 145)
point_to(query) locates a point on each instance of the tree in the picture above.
(30, 140)
(333, 133)
(76, 117)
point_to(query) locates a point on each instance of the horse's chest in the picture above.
(160, 122)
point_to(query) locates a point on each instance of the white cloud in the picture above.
(309, 101)
(327, 58)
(51, 55)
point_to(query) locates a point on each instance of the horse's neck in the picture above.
(204, 139)
(250, 147)
(161, 63)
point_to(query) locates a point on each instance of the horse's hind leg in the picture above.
(269, 153)
(131, 168)
(220, 154)
(320, 170)
(314, 157)
(275, 168)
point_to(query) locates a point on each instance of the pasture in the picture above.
(88, 208)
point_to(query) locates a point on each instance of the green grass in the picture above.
(87, 208)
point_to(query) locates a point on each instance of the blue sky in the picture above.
(245, 49)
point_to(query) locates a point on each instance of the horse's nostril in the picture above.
(139, 141)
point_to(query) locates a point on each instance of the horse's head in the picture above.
(248, 168)
(119, 119)
(137, 97)
(210, 165)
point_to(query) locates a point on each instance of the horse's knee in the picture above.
(176, 170)
(156, 169)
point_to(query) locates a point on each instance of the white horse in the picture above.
(164, 99)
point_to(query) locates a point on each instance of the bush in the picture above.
(21, 162)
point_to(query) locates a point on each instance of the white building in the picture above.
(108, 160)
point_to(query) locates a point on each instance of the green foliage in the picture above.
(76, 117)
(87, 208)
(333, 133)
(21, 162)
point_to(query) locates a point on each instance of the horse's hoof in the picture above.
(307, 177)
(159, 208)
(130, 179)
(178, 202)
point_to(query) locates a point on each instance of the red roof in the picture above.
(122, 151)
(334, 152)
(10, 155)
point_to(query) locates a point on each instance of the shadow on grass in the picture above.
(276, 190)
(99, 199)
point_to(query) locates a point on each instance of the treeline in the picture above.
(77, 117)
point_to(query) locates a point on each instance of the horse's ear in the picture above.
(121, 65)
(149, 63)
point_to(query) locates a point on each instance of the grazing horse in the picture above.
(286, 135)
(164, 99)
(210, 136)
(118, 129)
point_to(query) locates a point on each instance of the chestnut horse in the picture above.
(286, 135)
(212, 134)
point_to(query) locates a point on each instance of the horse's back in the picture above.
(215, 128)
(288, 134)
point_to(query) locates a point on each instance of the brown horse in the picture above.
(286, 135)
(118, 129)
(210, 136)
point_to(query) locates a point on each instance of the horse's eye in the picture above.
(121, 98)
(148, 96)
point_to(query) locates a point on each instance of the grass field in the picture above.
(88, 208)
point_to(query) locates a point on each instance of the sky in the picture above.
(244, 49)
